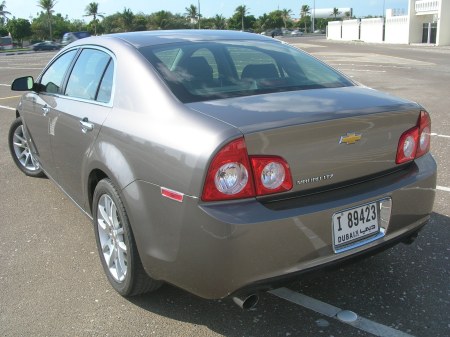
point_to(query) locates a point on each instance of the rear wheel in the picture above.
(20, 150)
(116, 245)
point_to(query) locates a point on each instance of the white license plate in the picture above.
(355, 224)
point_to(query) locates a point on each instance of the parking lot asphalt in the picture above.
(52, 283)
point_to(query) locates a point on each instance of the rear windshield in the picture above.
(202, 71)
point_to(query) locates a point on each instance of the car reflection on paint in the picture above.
(46, 45)
(223, 162)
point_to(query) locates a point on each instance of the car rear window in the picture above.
(200, 71)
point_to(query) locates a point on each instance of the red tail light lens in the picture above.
(272, 175)
(415, 142)
(232, 174)
(229, 174)
(424, 124)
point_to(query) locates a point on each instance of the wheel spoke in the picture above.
(103, 217)
(115, 223)
(22, 145)
(113, 258)
(22, 140)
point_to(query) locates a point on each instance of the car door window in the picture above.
(53, 77)
(87, 73)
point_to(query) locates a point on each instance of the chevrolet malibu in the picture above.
(223, 162)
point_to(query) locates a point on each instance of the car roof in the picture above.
(149, 38)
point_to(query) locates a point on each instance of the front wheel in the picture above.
(116, 245)
(20, 150)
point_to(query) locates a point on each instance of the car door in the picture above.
(44, 106)
(81, 113)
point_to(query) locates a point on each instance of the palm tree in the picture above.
(304, 12)
(286, 15)
(48, 5)
(219, 22)
(92, 10)
(242, 11)
(348, 15)
(127, 18)
(335, 12)
(192, 14)
(3, 13)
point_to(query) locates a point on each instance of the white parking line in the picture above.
(331, 311)
(442, 188)
(6, 107)
(437, 135)
(5, 85)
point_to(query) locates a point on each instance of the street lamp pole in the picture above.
(313, 16)
(199, 14)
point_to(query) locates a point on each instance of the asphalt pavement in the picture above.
(52, 283)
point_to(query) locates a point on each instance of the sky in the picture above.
(28, 9)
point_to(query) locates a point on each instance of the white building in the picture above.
(426, 21)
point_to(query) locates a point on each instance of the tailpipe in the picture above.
(246, 302)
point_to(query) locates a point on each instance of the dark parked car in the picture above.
(223, 162)
(46, 45)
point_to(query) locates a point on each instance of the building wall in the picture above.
(372, 30)
(397, 29)
(350, 30)
(443, 33)
(334, 30)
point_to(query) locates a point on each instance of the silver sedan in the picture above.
(224, 163)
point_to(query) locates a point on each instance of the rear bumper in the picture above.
(217, 249)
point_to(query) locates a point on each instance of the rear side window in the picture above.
(53, 77)
(105, 90)
(87, 74)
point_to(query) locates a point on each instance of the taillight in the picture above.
(424, 123)
(272, 174)
(415, 142)
(229, 174)
(232, 174)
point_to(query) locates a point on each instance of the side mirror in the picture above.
(23, 84)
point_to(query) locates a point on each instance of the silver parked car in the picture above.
(223, 162)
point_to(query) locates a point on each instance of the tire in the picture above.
(116, 244)
(21, 152)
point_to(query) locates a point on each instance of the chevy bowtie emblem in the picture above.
(350, 138)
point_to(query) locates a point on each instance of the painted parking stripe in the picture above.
(6, 107)
(10, 97)
(331, 311)
(437, 135)
(442, 188)
(5, 85)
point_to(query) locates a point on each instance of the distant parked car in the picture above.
(296, 32)
(46, 45)
(319, 31)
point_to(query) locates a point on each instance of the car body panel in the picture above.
(36, 121)
(71, 146)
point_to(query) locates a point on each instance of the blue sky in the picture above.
(76, 9)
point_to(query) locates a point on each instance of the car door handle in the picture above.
(45, 110)
(86, 125)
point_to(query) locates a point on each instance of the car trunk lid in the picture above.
(327, 136)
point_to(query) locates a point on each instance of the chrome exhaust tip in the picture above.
(246, 302)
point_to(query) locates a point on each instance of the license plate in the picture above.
(355, 224)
